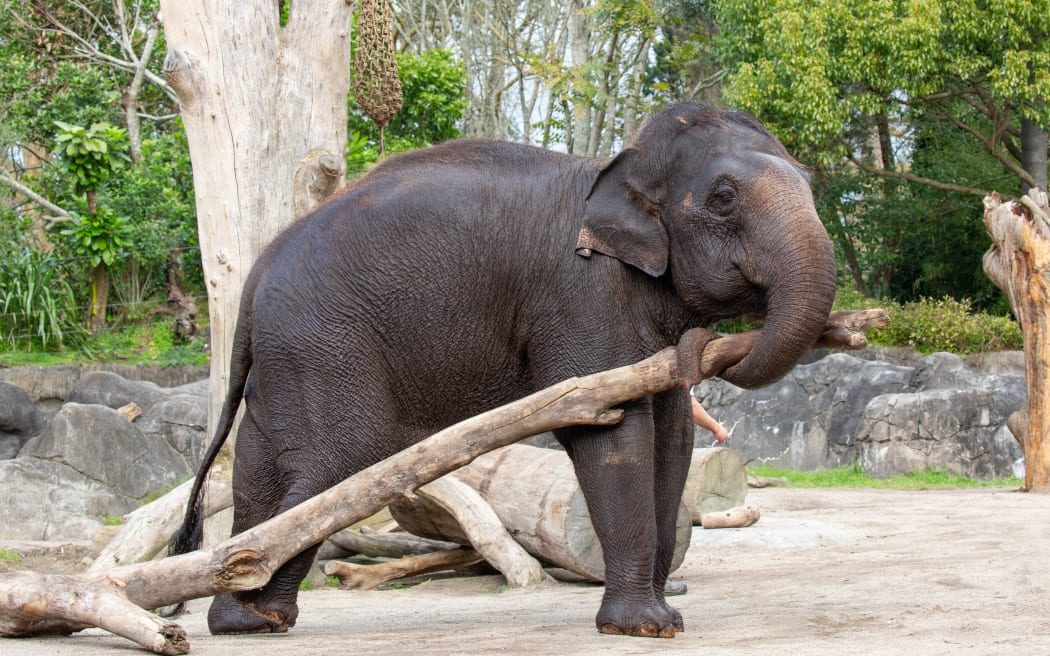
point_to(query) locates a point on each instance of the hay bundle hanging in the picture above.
(376, 83)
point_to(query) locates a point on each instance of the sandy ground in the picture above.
(824, 572)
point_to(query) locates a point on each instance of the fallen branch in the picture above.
(367, 577)
(386, 545)
(32, 604)
(485, 531)
(738, 517)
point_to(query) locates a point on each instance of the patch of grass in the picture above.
(111, 520)
(306, 585)
(151, 343)
(11, 557)
(854, 476)
(332, 581)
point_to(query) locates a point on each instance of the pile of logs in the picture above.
(119, 599)
(521, 509)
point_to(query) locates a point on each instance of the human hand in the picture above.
(720, 433)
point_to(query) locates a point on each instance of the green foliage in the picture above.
(99, 237)
(35, 93)
(111, 520)
(433, 85)
(156, 196)
(931, 325)
(817, 69)
(854, 476)
(37, 306)
(91, 155)
(10, 557)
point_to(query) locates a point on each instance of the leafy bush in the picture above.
(937, 325)
(98, 237)
(37, 307)
(92, 155)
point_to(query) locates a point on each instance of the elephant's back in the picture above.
(440, 260)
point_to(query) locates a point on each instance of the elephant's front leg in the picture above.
(615, 469)
(673, 453)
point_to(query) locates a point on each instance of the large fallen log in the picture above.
(535, 495)
(117, 599)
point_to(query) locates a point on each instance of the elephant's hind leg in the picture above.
(259, 491)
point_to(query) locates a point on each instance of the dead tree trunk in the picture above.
(116, 599)
(1019, 264)
(260, 113)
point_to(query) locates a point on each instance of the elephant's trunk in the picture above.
(797, 267)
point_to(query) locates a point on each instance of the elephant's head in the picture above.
(710, 198)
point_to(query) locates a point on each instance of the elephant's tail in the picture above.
(191, 534)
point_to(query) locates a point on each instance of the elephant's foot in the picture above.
(653, 620)
(230, 616)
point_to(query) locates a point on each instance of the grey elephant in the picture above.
(460, 277)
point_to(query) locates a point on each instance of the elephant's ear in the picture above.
(623, 221)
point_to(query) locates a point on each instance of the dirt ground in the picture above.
(823, 572)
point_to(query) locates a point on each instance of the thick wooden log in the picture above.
(1019, 264)
(717, 481)
(32, 604)
(368, 577)
(535, 494)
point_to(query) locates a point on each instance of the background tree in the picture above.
(92, 156)
(856, 86)
(50, 74)
(284, 92)
(433, 86)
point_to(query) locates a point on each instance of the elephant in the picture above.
(456, 278)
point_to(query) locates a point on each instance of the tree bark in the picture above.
(99, 298)
(1033, 153)
(1019, 264)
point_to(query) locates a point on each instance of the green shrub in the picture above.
(37, 306)
(931, 325)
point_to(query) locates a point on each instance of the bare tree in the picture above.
(540, 72)
(264, 105)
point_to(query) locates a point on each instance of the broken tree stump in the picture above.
(717, 481)
(118, 598)
(1018, 262)
(535, 494)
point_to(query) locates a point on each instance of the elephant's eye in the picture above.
(723, 197)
